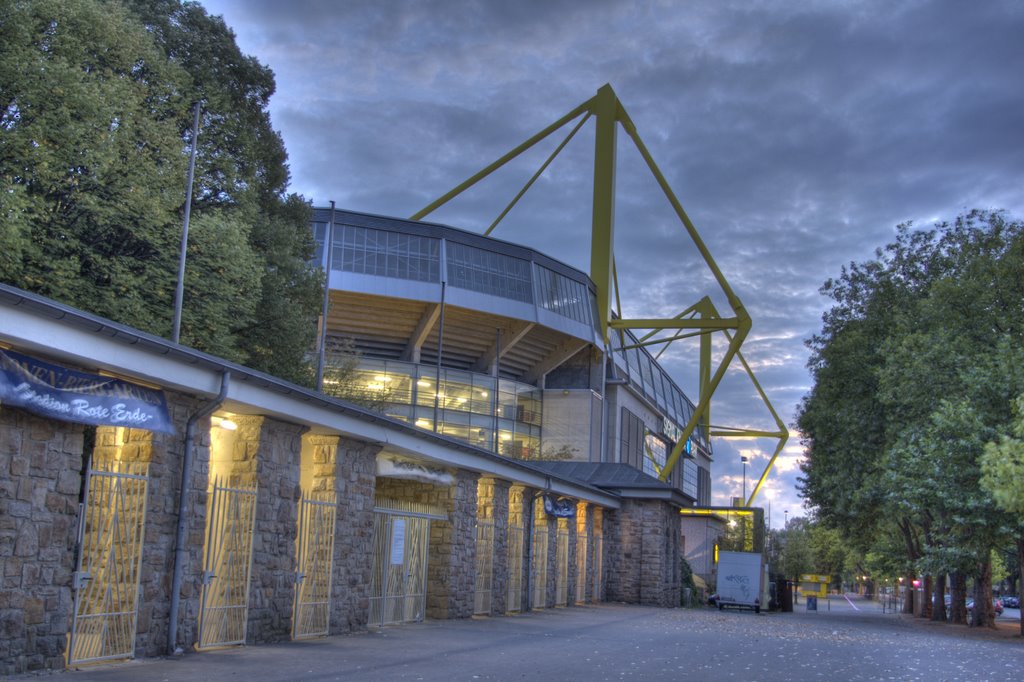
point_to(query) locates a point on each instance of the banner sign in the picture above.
(559, 507)
(66, 394)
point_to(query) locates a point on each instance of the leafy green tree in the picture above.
(96, 100)
(1002, 466)
(242, 177)
(89, 154)
(912, 372)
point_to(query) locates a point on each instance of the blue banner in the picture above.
(559, 507)
(66, 394)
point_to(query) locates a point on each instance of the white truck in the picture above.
(740, 580)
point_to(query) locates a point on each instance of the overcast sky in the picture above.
(796, 135)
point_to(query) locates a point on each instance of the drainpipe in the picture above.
(180, 536)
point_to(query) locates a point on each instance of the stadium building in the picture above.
(486, 437)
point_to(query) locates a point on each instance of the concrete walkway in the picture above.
(616, 642)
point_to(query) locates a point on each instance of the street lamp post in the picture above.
(744, 459)
(785, 518)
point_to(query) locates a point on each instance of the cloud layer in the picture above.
(796, 136)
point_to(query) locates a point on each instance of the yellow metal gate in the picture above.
(539, 566)
(582, 542)
(401, 542)
(227, 562)
(315, 559)
(106, 582)
(484, 566)
(562, 565)
(516, 535)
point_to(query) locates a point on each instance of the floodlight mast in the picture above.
(701, 319)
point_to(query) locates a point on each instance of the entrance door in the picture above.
(315, 559)
(398, 587)
(227, 563)
(484, 566)
(106, 584)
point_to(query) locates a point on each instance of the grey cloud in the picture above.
(796, 135)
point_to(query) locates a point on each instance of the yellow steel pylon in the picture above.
(700, 319)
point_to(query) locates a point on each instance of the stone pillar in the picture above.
(166, 455)
(584, 527)
(597, 556)
(518, 515)
(496, 493)
(40, 481)
(643, 553)
(350, 468)
(267, 452)
(451, 567)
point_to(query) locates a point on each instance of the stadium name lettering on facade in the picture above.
(66, 394)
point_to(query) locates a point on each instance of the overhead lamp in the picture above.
(224, 423)
(382, 378)
(483, 394)
(423, 383)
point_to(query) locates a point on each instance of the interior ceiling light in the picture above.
(423, 382)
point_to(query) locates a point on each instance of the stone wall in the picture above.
(271, 451)
(518, 516)
(642, 553)
(348, 468)
(493, 505)
(40, 484)
(451, 562)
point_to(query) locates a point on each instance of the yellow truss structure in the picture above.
(700, 319)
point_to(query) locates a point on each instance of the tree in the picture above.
(1002, 466)
(89, 155)
(96, 118)
(242, 176)
(912, 373)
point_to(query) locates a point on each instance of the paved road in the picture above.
(616, 642)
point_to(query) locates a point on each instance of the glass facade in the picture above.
(649, 379)
(488, 272)
(690, 478)
(495, 414)
(563, 296)
(655, 454)
(388, 253)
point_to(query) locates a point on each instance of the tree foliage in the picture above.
(914, 372)
(97, 99)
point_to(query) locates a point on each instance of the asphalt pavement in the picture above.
(843, 640)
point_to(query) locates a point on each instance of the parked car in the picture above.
(1011, 602)
(997, 606)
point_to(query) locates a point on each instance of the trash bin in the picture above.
(812, 603)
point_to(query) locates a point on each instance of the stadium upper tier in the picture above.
(508, 310)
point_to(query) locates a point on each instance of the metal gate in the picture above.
(106, 583)
(516, 535)
(311, 613)
(582, 541)
(401, 541)
(562, 566)
(597, 586)
(227, 563)
(484, 566)
(539, 566)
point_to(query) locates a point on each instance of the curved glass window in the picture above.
(488, 272)
(563, 295)
(502, 416)
(367, 251)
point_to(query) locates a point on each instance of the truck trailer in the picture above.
(740, 580)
